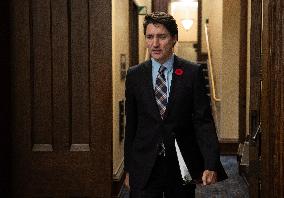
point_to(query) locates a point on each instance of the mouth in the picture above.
(156, 51)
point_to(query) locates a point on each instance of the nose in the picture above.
(156, 42)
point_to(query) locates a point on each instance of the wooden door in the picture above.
(61, 98)
(255, 96)
(272, 108)
(160, 5)
(133, 34)
(4, 99)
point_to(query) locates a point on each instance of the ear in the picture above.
(174, 40)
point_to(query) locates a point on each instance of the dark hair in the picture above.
(161, 18)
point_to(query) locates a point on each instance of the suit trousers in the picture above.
(165, 182)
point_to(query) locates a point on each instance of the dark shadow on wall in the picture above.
(5, 65)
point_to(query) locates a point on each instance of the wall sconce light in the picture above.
(142, 10)
(187, 23)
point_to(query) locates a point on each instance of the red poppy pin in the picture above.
(179, 72)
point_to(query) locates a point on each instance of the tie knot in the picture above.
(162, 69)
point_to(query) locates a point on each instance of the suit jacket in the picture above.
(187, 118)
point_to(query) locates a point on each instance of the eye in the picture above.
(149, 36)
(163, 36)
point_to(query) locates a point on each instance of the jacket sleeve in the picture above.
(131, 120)
(203, 122)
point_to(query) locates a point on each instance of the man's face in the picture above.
(159, 42)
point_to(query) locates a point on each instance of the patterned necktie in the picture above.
(161, 91)
(161, 99)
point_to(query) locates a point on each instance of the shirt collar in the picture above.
(168, 64)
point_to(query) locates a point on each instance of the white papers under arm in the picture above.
(183, 169)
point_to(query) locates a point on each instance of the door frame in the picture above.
(5, 109)
(272, 109)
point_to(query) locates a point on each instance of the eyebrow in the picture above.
(157, 34)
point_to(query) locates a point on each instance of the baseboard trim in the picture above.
(229, 146)
(117, 181)
(119, 172)
(117, 187)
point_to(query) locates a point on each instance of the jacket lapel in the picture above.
(174, 85)
(149, 90)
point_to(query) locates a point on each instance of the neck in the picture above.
(164, 60)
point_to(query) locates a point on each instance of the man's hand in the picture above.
(126, 181)
(209, 177)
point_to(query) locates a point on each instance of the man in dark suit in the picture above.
(166, 101)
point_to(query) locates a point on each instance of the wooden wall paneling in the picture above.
(277, 12)
(41, 100)
(273, 100)
(133, 34)
(255, 83)
(42, 161)
(101, 92)
(79, 71)
(279, 107)
(61, 97)
(60, 76)
(243, 70)
(20, 94)
(266, 108)
(278, 63)
(41, 76)
(160, 5)
(5, 113)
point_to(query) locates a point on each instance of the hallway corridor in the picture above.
(63, 73)
(233, 187)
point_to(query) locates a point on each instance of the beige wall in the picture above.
(186, 50)
(213, 10)
(230, 70)
(224, 37)
(120, 45)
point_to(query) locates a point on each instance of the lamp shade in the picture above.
(187, 23)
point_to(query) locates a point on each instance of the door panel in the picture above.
(41, 77)
(62, 107)
(80, 74)
(272, 108)
(255, 92)
(60, 75)
(133, 34)
(5, 98)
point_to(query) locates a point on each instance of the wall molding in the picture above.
(119, 172)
